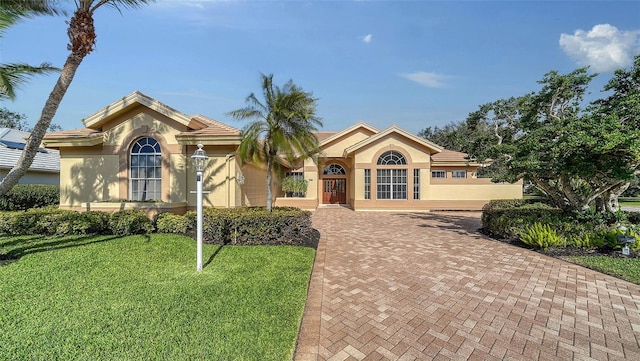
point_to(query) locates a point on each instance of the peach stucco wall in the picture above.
(101, 173)
(336, 147)
(87, 177)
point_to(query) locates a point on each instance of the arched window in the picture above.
(334, 169)
(391, 183)
(392, 158)
(145, 170)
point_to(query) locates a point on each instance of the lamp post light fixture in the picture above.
(199, 159)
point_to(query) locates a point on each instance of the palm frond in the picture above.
(13, 75)
(282, 126)
(93, 5)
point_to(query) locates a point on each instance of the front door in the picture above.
(334, 191)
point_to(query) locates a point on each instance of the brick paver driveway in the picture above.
(390, 286)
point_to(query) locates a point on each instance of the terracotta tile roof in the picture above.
(449, 156)
(84, 132)
(324, 135)
(213, 127)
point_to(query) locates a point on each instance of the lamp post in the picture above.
(199, 159)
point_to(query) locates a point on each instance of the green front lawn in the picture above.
(625, 268)
(140, 297)
(629, 203)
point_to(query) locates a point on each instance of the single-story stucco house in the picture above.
(135, 153)
(45, 168)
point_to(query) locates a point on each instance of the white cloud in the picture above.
(428, 79)
(367, 38)
(604, 47)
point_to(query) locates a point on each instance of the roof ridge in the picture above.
(216, 122)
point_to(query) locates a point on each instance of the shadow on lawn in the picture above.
(37, 244)
(311, 240)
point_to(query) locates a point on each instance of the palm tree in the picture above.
(82, 37)
(282, 126)
(14, 74)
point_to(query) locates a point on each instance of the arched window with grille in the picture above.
(392, 158)
(391, 183)
(145, 175)
(334, 169)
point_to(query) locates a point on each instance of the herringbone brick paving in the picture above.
(391, 286)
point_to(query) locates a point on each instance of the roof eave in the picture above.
(96, 120)
(73, 141)
(189, 139)
(348, 130)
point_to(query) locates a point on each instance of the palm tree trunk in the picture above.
(48, 112)
(269, 196)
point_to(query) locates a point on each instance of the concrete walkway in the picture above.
(390, 286)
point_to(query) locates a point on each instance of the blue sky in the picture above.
(408, 63)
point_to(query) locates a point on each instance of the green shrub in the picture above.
(78, 223)
(25, 196)
(129, 221)
(53, 221)
(633, 217)
(541, 236)
(255, 226)
(508, 218)
(176, 224)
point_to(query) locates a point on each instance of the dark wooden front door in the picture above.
(334, 191)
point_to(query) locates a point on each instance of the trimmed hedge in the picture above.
(242, 226)
(129, 221)
(237, 226)
(26, 196)
(509, 218)
(52, 221)
(176, 224)
(255, 226)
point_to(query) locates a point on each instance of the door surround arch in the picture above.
(333, 184)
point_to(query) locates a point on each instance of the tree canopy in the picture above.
(577, 155)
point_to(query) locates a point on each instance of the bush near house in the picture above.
(51, 221)
(25, 196)
(237, 226)
(541, 226)
(177, 224)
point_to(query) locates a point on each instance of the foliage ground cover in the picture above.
(587, 238)
(139, 297)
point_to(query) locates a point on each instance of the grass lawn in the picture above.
(629, 203)
(140, 297)
(625, 268)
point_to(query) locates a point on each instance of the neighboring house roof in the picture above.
(12, 143)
